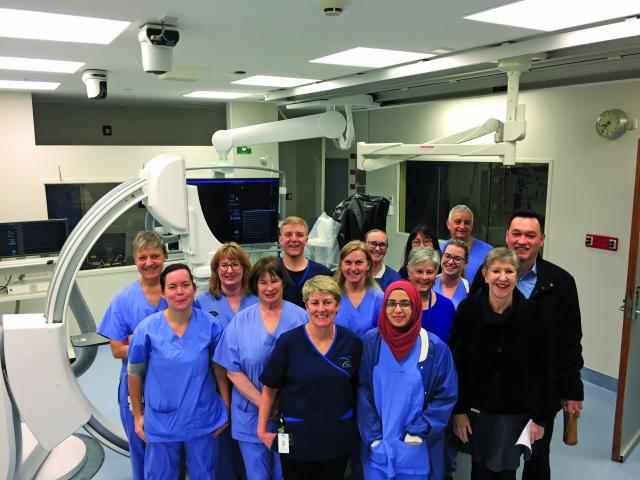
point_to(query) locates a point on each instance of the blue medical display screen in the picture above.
(41, 237)
(243, 210)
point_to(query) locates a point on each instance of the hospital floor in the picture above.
(590, 459)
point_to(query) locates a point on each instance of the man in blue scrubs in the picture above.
(130, 306)
(294, 235)
(460, 225)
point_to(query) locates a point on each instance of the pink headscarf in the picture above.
(401, 339)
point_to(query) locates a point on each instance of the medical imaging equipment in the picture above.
(40, 237)
(372, 156)
(45, 394)
(242, 210)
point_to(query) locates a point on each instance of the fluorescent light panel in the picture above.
(271, 81)
(219, 95)
(60, 28)
(25, 85)
(39, 65)
(371, 57)
(549, 15)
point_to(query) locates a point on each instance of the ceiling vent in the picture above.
(332, 8)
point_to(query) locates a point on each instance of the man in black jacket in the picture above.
(554, 289)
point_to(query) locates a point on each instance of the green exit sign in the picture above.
(243, 150)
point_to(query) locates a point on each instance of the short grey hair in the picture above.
(423, 255)
(148, 239)
(460, 208)
(500, 254)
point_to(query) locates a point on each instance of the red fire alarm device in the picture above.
(603, 242)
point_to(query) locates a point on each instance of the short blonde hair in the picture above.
(323, 284)
(351, 247)
(293, 220)
(230, 251)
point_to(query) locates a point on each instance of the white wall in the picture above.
(590, 190)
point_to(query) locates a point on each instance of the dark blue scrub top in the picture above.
(317, 392)
(293, 286)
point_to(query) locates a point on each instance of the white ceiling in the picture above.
(261, 37)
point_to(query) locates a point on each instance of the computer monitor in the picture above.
(40, 237)
(243, 210)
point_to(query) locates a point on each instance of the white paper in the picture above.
(525, 437)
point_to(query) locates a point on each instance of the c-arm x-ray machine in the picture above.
(39, 394)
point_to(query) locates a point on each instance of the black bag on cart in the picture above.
(358, 214)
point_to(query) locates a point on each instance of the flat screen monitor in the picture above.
(40, 237)
(243, 210)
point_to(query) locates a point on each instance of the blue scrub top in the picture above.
(181, 401)
(388, 277)
(128, 308)
(461, 290)
(476, 256)
(317, 392)
(363, 318)
(220, 308)
(439, 318)
(245, 347)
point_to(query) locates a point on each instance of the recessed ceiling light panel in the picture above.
(371, 57)
(218, 95)
(39, 65)
(26, 85)
(60, 28)
(549, 15)
(271, 81)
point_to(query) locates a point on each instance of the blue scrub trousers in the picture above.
(136, 445)
(162, 459)
(259, 462)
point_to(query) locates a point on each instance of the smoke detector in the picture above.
(332, 8)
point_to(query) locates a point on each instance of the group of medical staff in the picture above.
(239, 382)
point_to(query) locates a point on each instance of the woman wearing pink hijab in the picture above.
(408, 387)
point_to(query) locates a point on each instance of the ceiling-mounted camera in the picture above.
(96, 83)
(156, 44)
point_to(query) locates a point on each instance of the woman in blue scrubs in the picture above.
(170, 356)
(408, 388)
(130, 306)
(228, 285)
(228, 293)
(450, 283)
(437, 311)
(314, 369)
(244, 348)
(361, 296)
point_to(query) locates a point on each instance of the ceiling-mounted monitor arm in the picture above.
(329, 124)
(374, 156)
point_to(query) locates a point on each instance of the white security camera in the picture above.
(156, 43)
(332, 8)
(96, 83)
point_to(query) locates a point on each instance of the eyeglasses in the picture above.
(457, 260)
(380, 245)
(404, 304)
(233, 266)
(427, 242)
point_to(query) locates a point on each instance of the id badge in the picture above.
(283, 443)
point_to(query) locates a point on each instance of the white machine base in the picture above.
(63, 462)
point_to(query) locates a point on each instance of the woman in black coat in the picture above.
(498, 343)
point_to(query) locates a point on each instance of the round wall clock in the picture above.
(611, 124)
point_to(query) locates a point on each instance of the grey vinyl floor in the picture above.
(590, 459)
